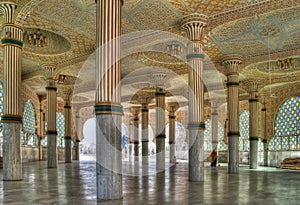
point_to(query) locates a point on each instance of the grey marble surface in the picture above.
(75, 184)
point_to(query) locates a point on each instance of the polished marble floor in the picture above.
(75, 184)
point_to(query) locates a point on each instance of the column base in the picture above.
(253, 154)
(109, 184)
(68, 150)
(109, 157)
(233, 153)
(136, 151)
(160, 153)
(196, 155)
(145, 150)
(52, 150)
(12, 161)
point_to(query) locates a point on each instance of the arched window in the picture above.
(60, 128)
(287, 126)
(29, 122)
(208, 137)
(244, 131)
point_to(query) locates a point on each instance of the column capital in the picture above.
(49, 70)
(193, 24)
(172, 106)
(7, 8)
(231, 64)
(65, 93)
(135, 111)
(252, 86)
(159, 78)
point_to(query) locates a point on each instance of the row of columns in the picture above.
(12, 40)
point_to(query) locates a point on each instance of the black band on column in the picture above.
(161, 136)
(233, 133)
(11, 119)
(232, 84)
(253, 139)
(51, 132)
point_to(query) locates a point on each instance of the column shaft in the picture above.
(160, 128)
(231, 66)
(172, 136)
(194, 25)
(253, 119)
(77, 155)
(108, 107)
(145, 138)
(214, 130)
(51, 123)
(68, 138)
(136, 137)
(12, 41)
(264, 130)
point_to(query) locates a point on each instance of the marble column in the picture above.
(264, 130)
(108, 107)
(12, 42)
(41, 121)
(131, 139)
(231, 65)
(77, 155)
(214, 126)
(253, 122)
(145, 123)
(51, 131)
(136, 142)
(194, 25)
(160, 121)
(68, 126)
(172, 107)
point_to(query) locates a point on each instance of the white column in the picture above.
(264, 130)
(172, 107)
(108, 107)
(214, 126)
(12, 41)
(51, 131)
(231, 65)
(194, 25)
(253, 122)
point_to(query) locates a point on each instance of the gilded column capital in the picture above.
(135, 111)
(49, 70)
(159, 78)
(172, 107)
(8, 8)
(193, 24)
(231, 64)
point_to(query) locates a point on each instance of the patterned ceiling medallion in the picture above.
(56, 44)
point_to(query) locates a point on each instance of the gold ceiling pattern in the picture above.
(252, 28)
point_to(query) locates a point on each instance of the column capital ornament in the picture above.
(135, 111)
(159, 78)
(231, 64)
(193, 24)
(49, 70)
(65, 93)
(172, 106)
(252, 86)
(7, 8)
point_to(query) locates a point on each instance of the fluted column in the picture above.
(194, 25)
(264, 130)
(68, 137)
(51, 131)
(77, 155)
(253, 122)
(108, 107)
(160, 95)
(131, 139)
(12, 41)
(136, 112)
(231, 65)
(41, 120)
(214, 126)
(172, 107)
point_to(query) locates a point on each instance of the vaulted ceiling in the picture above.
(261, 31)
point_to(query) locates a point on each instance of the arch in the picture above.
(29, 136)
(287, 126)
(89, 136)
(244, 131)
